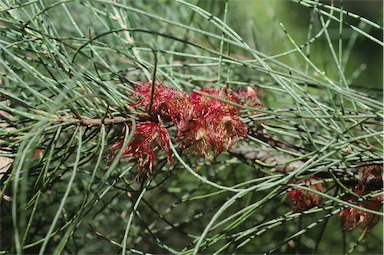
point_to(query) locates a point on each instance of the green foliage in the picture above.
(66, 68)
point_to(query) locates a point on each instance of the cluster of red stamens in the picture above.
(207, 124)
(302, 199)
(207, 121)
(370, 179)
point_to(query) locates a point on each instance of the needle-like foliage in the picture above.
(265, 135)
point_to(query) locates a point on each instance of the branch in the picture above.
(5, 162)
(277, 163)
(85, 121)
(92, 122)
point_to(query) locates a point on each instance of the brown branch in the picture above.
(276, 163)
(84, 121)
(251, 156)
(261, 134)
(92, 122)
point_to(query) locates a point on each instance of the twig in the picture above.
(92, 122)
(153, 84)
(85, 121)
(276, 163)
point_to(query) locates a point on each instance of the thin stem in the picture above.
(153, 83)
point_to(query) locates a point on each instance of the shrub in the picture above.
(180, 127)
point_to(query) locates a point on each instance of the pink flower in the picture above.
(148, 136)
(301, 199)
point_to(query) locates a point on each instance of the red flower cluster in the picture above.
(352, 217)
(301, 199)
(147, 136)
(213, 126)
(370, 179)
(206, 121)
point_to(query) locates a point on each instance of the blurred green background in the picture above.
(258, 21)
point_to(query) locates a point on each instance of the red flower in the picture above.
(302, 199)
(168, 103)
(212, 134)
(248, 97)
(229, 130)
(148, 135)
(352, 217)
(205, 125)
(197, 137)
(213, 126)
(371, 177)
(204, 104)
